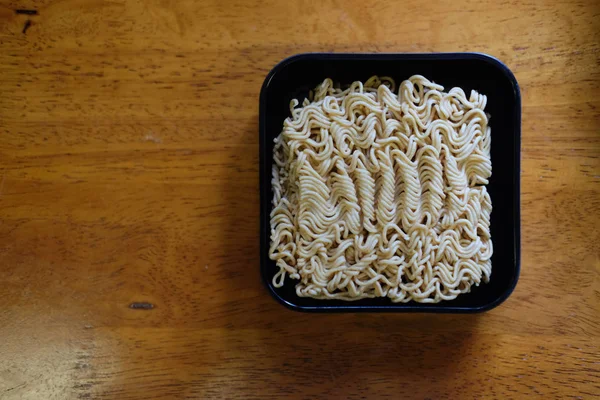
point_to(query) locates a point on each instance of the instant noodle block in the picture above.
(415, 182)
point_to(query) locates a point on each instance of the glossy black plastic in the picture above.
(295, 76)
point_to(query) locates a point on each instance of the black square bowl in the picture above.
(295, 76)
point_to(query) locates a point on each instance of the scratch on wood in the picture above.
(26, 26)
(151, 138)
(141, 306)
(26, 12)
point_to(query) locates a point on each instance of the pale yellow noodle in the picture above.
(378, 193)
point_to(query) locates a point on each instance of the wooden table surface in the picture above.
(129, 206)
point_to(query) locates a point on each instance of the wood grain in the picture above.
(129, 206)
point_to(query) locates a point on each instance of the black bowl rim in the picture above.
(410, 307)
